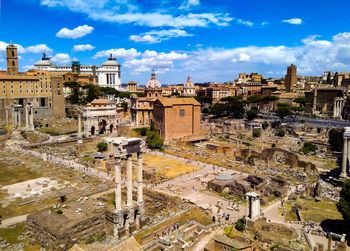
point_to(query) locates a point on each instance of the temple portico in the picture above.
(131, 213)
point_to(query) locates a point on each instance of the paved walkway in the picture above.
(14, 220)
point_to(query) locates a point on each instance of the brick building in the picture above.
(177, 117)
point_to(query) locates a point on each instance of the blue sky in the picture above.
(209, 40)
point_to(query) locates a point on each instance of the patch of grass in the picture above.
(166, 167)
(10, 174)
(11, 234)
(312, 210)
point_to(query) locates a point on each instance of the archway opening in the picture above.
(111, 128)
(102, 126)
(92, 130)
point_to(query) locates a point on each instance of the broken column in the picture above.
(80, 139)
(253, 205)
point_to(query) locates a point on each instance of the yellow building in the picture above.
(39, 89)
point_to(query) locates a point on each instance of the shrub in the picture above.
(240, 224)
(280, 132)
(256, 133)
(308, 147)
(153, 140)
(102, 146)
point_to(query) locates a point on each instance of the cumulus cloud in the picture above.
(62, 58)
(83, 47)
(157, 36)
(121, 12)
(118, 52)
(160, 61)
(187, 4)
(39, 48)
(295, 21)
(75, 33)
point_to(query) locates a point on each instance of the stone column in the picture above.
(345, 156)
(26, 115)
(80, 140)
(139, 179)
(118, 186)
(118, 218)
(129, 180)
(7, 117)
(19, 118)
(31, 119)
(247, 208)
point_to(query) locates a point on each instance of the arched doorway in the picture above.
(111, 128)
(92, 130)
(102, 126)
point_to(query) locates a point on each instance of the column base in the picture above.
(343, 175)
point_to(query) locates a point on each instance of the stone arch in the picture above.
(102, 126)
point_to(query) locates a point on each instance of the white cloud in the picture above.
(295, 21)
(157, 36)
(39, 48)
(187, 4)
(244, 22)
(123, 13)
(62, 58)
(83, 47)
(75, 33)
(118, 52)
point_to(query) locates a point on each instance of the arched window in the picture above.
(13, 63)
(13, 54)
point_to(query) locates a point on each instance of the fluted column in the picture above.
(129, 180)
(345, 156)
(139, 179)
(118, 186)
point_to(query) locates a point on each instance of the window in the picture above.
(182, 112)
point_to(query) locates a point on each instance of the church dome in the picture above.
(153, 82)
(189, 82)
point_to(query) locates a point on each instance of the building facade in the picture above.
(188, 88)
(106, 75)
(39, 89)
(177, 118)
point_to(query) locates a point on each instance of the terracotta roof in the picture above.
(178, 101)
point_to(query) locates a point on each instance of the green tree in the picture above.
(335, 139)
(102, 146)
(109, 91)
(252, 113)
(240, 224)
(300, 101)
(218, 109)
(265, 125)
(205, 110)
(256, 133)
(234, 106)
(124, 105)
(280, 132)
(153, 140)
(308, 147)
(74, 97)
(344, 202)
(283, 110)
(93, 92)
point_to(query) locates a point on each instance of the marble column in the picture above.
(80, 140)
(118, 186)
(345, 156)
(26, 115)
(139, 179)
(129, 180)
(19, 119)
(7, 117)
(31, 119)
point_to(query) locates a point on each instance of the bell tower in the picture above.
(12, 59)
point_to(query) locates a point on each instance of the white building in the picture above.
(107, 75)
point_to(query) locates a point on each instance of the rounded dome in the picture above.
(43, 63)
(224, 177)
(110, 63)
(153, 82)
